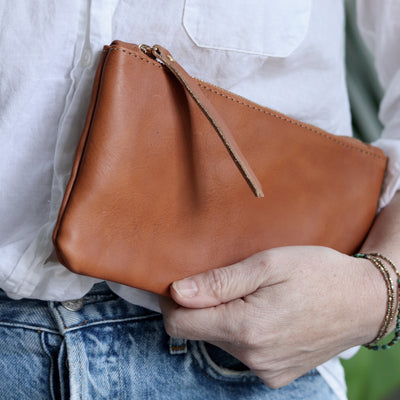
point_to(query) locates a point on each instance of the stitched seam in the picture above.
(81, 324)
(129, 53)
(28, 327)
(233, 48)
(118, 363)
(101, 321)
(51, 369)
(108, 358)
(293, 122)
(62, 318)
(80, 370)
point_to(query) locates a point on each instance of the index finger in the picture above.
(219, 323)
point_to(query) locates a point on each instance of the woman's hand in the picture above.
(283, 311)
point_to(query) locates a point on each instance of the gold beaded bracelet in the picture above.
(393, 305)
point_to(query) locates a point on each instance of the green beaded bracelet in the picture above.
(374, 257)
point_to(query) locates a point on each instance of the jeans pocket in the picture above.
(220, 365)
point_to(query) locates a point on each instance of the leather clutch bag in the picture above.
(174, 176)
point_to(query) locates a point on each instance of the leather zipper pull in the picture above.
(210, 112)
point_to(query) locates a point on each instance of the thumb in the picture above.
(221, 285)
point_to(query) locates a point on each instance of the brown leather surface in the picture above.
(154, 195)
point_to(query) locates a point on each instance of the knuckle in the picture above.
(264, 261)
(219, 282)
(262, 265)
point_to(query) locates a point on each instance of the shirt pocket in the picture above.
(267, 28)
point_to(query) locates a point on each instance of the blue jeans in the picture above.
(102, 347)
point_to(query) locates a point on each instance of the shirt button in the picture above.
(73, 305)
(86, 58)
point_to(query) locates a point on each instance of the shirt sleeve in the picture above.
(380, 28)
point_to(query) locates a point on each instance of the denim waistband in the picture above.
(103, 346)
(99, 306)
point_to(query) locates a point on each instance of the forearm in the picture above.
(385, 233)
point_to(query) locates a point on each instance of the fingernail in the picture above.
(186, 288)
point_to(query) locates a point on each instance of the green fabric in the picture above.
(364, 89)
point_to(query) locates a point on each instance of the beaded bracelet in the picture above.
(390, 309)
(377, 259)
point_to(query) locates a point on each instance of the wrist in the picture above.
(383, 302)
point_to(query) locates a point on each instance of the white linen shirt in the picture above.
(282, 54)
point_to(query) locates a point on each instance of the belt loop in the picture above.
(177, 346)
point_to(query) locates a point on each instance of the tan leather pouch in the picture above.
(160, 186)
